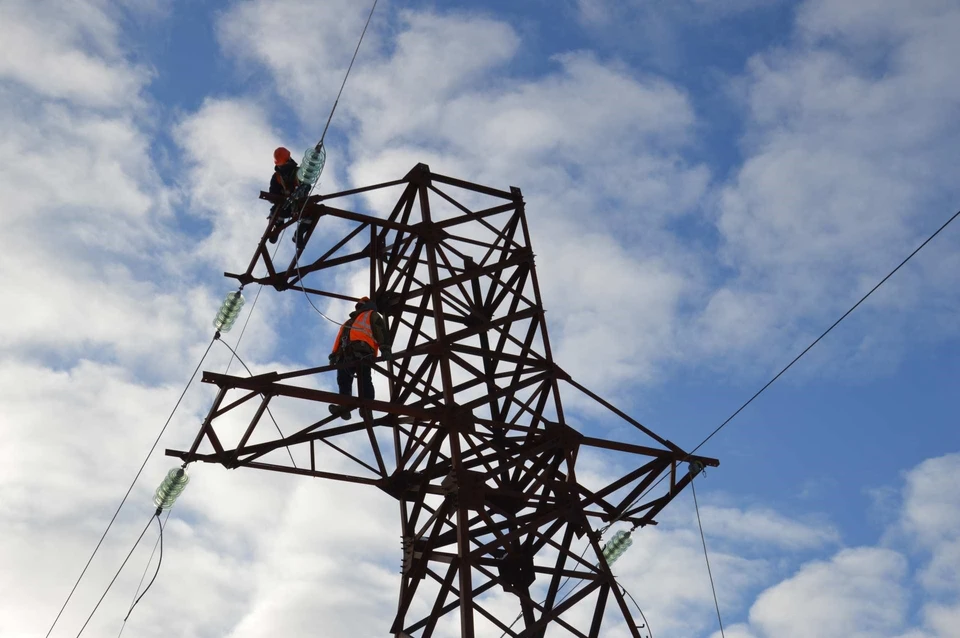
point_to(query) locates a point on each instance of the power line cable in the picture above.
(275, 424)
(130, 489)
(646, 623)
(346, 75)
(319, 146)
(703, 539)
(797, 358)
(155, 574)
(146, 568)
(768, 384)
(130, 553)
(827, 331)
(256, 298)
(216, 337)
(243, 329)
(110, 524)
(296, 263)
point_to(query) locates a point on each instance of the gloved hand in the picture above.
(334, 358)
(386, 352)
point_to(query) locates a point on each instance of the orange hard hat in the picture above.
(281, 155)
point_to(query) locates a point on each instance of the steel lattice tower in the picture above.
(473, 442)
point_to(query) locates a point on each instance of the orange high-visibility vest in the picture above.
(360, 330)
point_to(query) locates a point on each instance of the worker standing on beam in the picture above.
(360, 339)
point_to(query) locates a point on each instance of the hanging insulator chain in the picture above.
(312, 165)
(619, 544)
(171, 487)
(229, 311)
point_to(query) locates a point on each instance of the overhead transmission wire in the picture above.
(249, 314)
(761, 390)
(136, 599)
(319, 145)
(706, 557)
(276, 425)
(795, 359)
(827, 331)
(347, 74)
(130, 489)
(130, 553)
(144, 464)
(646, 623)
(156, 442)
(234, 355)
(740, 409)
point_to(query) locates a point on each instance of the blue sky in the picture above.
(731, 177)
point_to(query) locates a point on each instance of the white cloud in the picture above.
(76, 56)
(932, 500)
(250, 551)
(931, 515)
(604, 12)
(867, 591)
(767, 527)
(89, 232)
(665, 571)
(844, 172)
(307, 55)
(420, 102)
(857, 593)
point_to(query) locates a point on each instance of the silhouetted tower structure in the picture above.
(473, 442)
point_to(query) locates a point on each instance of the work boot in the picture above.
(339, 410)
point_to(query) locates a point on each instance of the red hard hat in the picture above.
(280, 156)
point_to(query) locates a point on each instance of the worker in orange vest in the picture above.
(361, 338)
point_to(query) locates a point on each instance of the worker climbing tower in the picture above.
(472, 441)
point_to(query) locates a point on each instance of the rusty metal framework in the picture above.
(473, 441)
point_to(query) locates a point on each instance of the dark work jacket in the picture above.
(284, 178)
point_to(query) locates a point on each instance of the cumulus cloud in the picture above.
(849, 133)
(871, 591)
(857, 593)
(605, 179)
(767, 527)
(582, 161)
(931, 514)
(87, 215)
(75, 57)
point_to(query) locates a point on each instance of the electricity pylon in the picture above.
(473, 441)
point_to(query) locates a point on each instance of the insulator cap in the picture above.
(229, 311)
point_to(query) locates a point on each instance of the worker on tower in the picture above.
(284, 179)
(283, 182)
(360, 339)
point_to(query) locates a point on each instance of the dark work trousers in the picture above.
(355, 367)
